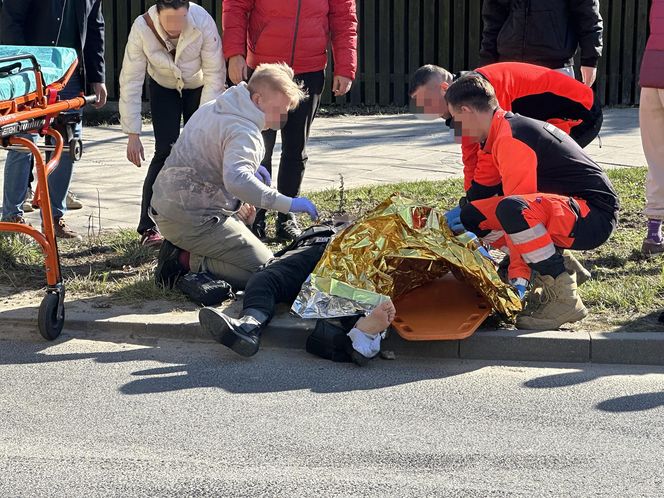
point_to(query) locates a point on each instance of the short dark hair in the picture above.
(472, 90)
(171, 4)
(425, 74)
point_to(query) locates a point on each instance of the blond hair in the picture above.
(278, 77)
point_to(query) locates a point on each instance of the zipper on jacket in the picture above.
(297, 26)
(525, 30)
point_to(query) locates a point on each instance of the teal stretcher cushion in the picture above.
(54, 61)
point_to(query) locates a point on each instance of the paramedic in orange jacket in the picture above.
(554, 196)
(533, 91)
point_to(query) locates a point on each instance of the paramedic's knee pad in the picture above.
(510, 214)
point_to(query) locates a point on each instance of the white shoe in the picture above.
(73, 202)
(27, 204)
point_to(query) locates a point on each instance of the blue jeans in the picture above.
(19, 164)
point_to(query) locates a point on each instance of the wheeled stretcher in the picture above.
(30, 80)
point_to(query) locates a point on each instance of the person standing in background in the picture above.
(543, 32)
(178, 44)
(77, 24)
(651, 121)
(296, 32)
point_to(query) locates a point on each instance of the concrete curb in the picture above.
(645, 348)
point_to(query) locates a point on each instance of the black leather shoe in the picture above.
(359, 359)
(287, 227)
(169, 269)
(242, 335)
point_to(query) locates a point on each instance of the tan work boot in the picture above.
(572, 265)
(558, 303)
(62, 231)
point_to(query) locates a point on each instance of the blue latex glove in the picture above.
(263, 175)
(453, 217)
(520, 286)
(304, 205)
(520, 290)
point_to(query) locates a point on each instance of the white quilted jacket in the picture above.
(198, 62)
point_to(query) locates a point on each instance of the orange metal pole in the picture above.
(51, 110)
(46, 239)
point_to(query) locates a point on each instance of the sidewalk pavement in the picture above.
(100, 319)
(365, 150)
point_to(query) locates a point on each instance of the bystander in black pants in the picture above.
(294, 136)
(281, 279)
(168, 108)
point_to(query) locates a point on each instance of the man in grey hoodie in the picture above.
(208, 190)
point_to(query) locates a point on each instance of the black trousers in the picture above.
(168, 108)
(294, 136)
(281, 279)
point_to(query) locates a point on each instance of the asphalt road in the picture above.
(167, 418)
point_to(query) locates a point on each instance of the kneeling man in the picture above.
(554, 196)
(204, 197)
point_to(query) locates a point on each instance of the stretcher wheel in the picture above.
(76, 150)
(51, 317)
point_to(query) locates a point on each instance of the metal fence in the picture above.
(397, 36)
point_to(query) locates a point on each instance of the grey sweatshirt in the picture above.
(211, 168)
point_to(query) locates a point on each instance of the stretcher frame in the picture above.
(34, 113)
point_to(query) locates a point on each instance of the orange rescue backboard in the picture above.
(445, 309)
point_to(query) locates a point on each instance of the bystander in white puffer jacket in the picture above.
(198, 62)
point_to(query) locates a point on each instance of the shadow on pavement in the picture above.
(630, 403)
(196, 365)
(633, 403)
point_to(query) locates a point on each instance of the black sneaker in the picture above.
(169, 269)
(259, 226)
(287, 227)
(242, 335)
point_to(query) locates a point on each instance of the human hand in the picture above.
(237, 69)
(588, 75)
(453, 217)
(263, 175)
(341, 85)
(304, 205)
(101, 93)
(246, 214)
(135, 151)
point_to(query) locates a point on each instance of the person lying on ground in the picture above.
(280, 281)
(554, 197)
(213, 169)
(533, 91)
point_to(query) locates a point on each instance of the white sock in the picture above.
(365, 344)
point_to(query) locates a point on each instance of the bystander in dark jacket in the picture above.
(543, 32)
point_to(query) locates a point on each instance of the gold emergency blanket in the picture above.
(391, 250)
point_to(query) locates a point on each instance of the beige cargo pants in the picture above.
(224, 247)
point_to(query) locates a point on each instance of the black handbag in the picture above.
(204, 289)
